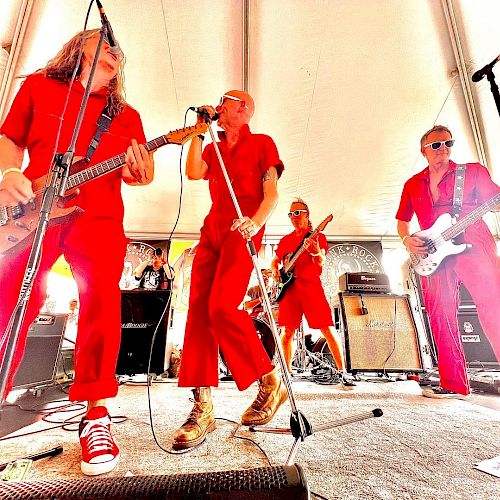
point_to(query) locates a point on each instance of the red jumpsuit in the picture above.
(478, 268)
(306, 295)
(94, 244)
(222, 267)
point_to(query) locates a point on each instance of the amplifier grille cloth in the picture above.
(370, 338)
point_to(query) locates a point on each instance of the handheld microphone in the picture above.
(481, 73)
(204, 113)
(110, 36)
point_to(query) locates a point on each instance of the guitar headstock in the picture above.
(182, 135)
(324, 223)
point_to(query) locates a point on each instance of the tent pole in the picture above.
(17, 41)
(246, 44)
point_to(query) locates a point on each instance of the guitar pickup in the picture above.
(16, 212)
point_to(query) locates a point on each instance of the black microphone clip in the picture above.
(481, 73)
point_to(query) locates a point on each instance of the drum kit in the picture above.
(308, 355)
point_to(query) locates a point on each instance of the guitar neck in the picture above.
(107, 166)
(469, 219)
(299, 252)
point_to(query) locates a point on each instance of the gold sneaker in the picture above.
(272, 394)
(199, 423)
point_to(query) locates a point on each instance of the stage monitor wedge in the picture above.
(380, 333)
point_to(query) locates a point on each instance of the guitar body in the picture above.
(18, 223)
(17, 232)
(425, 265)
(286, 279)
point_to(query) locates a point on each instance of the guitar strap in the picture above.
(458, 190)
(103, 124)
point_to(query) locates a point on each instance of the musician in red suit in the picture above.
(305, 296)
(429, 194)
(222, 267)
(41, 123)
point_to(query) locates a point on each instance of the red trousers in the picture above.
(95, 249)
(479, 270)
(219, 279)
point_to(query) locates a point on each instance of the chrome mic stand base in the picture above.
(299, 423)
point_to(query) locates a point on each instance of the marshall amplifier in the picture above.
(364, 282)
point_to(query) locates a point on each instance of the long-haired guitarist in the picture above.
(94, 243)
(305, 296)
(429, 195)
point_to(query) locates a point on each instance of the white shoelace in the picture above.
(99, 436)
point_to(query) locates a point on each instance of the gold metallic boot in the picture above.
(199, 422)
(272, 394)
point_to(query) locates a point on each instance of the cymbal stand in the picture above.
(300, 427)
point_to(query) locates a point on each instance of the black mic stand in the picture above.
(300, 427)
(494, 88)
(55, 188)
(488, 72)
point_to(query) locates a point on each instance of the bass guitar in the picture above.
(439, 238)
(18, 222)
(286, 272)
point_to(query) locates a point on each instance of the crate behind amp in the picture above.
(380, 333)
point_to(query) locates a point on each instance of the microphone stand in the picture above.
(300, 427)
(55, 188)
(494, 88)
(488, 72)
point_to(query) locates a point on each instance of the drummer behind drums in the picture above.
(254, 303)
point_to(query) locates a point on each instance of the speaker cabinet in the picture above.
(380, 333)
(477, 349)
(142, 312)
(265, 483)
(43, 344)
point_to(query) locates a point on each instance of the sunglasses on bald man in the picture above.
(232, 98)
(436, 145)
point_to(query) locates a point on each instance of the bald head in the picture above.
(248, 100)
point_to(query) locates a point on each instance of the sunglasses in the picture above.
(296, 213)
(232, 98)
(436, 145)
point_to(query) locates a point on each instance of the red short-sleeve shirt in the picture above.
(305, 267)
(417, 198)
(246, 163)
(33, 123)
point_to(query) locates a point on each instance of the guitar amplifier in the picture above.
(364, 282)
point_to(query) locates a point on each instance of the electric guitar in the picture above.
(286, 272)
(19, 222)
(439, 238)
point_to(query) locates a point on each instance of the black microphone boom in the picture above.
(204, 113)
(110, 36)
(481, 73)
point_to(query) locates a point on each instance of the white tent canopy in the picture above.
(345, 87)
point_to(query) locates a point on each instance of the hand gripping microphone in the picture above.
(204, 114)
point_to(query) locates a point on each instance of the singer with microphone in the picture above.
(41, 120)
(222, 267)
(306, 296)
